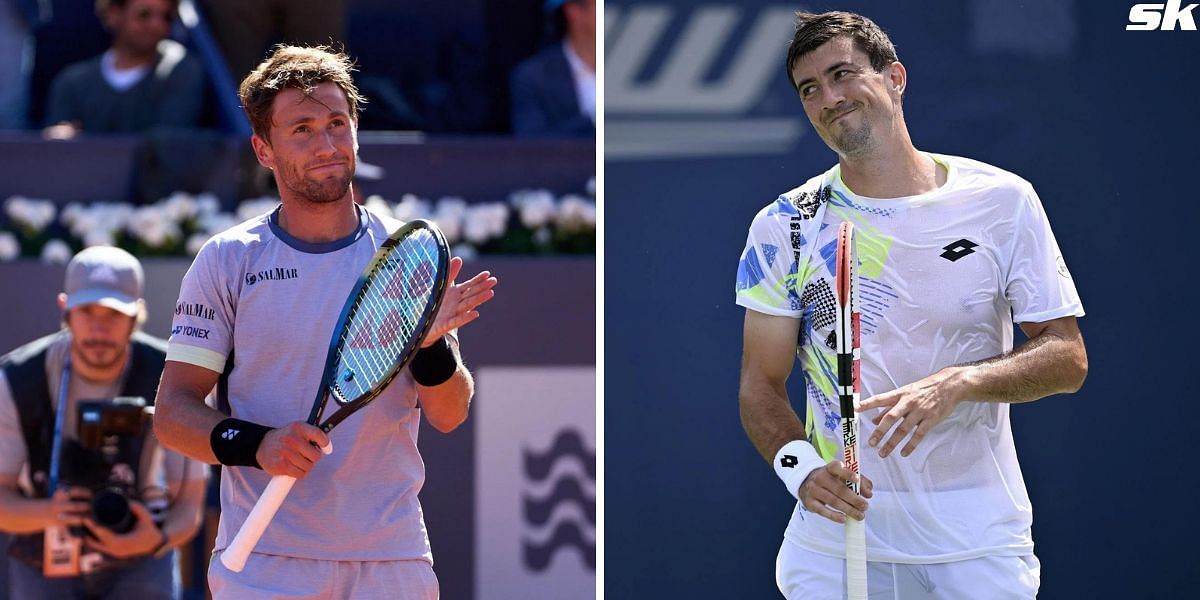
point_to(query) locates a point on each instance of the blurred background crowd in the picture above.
(480, 114)
(425, 66)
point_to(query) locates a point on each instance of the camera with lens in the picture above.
(103, 458)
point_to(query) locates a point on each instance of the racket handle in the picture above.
(856, 559)
(234, 556)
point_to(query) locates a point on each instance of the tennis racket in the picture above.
(383, 322)
(848, 353)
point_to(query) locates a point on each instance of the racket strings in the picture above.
(386, 314)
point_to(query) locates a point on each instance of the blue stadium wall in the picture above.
(1101, 120)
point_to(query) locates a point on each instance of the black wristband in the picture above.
(434, 365)
(235, 442)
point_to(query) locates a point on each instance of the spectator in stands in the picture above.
(244, 29)
(18, 19)
(554, 92)
(143, 81)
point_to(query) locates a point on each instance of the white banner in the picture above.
(535, 464)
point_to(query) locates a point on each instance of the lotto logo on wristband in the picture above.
(789, 461)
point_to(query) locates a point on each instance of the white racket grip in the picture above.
(856, 559)
(234, 556)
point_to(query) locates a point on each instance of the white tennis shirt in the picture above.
(944, 275)
(260, 306)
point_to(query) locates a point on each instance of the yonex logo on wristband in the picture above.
(957, 250)
(229, 433)
(789, 461)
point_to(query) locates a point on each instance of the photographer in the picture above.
(99, 517)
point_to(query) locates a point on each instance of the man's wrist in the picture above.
(794, 462)
(235, 442)
(434, 364)
(963, 380)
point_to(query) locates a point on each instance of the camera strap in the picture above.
(60, 417)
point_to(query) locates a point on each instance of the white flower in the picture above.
(9, 248)
(485, 221)
(376, 204)
(207, 204)
(56, 251)
(98, 237)
(213, 223)
(464, 251)
(101, 218)
(576, 214)
(35, 214)
(151, 225)
(449, 218)
(195, 242)
(476, 228)
(591, 186)
(254, 207)
(451, 227)
(179, 207)
(452, 207)
(411, 207)
(70, 213)
(497, 218)
(536, 207)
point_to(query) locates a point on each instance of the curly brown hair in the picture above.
(300, 68)
(814, 30)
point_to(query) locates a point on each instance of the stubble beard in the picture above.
(853, 142)
(324, 191)
(95, 358)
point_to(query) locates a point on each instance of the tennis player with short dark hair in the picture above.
(255, 314)
(952, 252)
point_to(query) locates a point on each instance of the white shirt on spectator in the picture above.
(585, 81)
(120, 79)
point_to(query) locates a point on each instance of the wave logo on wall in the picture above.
(559, 502)
(709, 81)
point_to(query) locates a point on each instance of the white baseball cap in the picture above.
(104, 275)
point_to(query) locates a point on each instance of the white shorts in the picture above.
(276, 577)
(804, 575)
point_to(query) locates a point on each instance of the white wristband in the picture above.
(794, 461)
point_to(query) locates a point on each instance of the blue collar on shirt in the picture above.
(318, 247)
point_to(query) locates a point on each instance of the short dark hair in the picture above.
(300, 68)
(814, 30)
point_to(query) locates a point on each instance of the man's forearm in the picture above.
(184, 423)
(19, 514)
(183, 518)
(1044, 365)
(768, 418)
(446, 405)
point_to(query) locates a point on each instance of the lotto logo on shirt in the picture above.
(276, 274)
